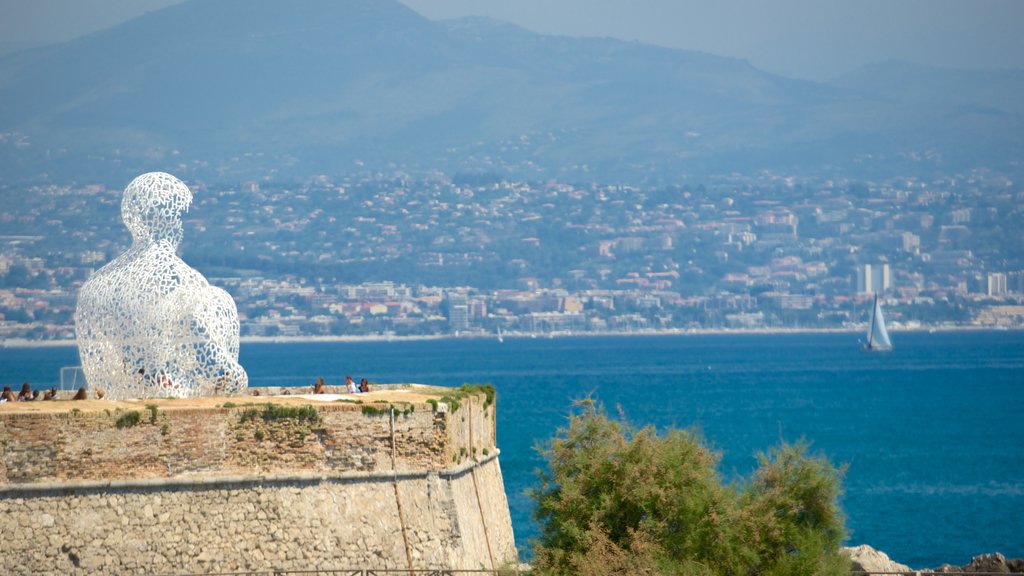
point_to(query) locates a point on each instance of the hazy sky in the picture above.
(814, 39)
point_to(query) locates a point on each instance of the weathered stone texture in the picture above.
(51, 447)
(201, 491)
(494, 502)
(472, 432)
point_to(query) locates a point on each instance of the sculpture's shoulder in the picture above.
(136, 282)
(200, 297)
(109, 271)
(102, 289)
(218, 295)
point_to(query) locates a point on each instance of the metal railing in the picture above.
(72, 377)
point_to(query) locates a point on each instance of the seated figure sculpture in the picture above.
(147, 324)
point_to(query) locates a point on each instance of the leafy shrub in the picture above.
(621, 500)
(487, 389)
(461, 393)
(152, 413)
(128, 419)
(375, 411)
(452, 402)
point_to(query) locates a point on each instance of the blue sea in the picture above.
(932, 435)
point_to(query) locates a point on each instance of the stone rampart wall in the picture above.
(208, 490)
(169, 443)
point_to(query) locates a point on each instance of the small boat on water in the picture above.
(878, 336)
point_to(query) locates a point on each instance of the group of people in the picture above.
(350, 386)
(27, 394)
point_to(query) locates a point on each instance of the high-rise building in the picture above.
(458, 311)
(864, 278)
(873, 278)
(996, 284)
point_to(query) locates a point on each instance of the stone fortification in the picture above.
(179, 488)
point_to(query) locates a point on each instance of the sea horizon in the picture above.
(43, 343)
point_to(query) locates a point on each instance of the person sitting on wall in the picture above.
(51, 394)
(35, 395)
(81, 394)
(350, 385)
(364, 386)
(26, 393)
(318, 388)
(100, 393)
(7, 395)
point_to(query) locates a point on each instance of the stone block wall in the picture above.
(472, 430)
(208, 490)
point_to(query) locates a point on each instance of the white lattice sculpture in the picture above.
(147, 324)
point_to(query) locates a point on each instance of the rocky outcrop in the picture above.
(867, 560)
(988, 563)
(985, 564)
(864, 558)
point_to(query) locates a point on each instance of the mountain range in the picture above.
(249, 88)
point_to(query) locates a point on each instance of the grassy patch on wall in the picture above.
(405, 410)
(277, 412)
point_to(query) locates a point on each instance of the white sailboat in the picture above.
(500, 337)
(878, 336)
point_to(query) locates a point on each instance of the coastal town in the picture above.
(397, 255)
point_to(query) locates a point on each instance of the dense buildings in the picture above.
(392, 254)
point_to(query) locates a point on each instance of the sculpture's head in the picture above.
(152, 207)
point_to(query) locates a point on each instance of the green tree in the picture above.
(621, 500)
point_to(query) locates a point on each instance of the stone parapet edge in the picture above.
(13, 490)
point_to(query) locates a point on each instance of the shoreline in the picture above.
(27, 343)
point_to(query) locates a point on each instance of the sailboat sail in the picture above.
(878, 336)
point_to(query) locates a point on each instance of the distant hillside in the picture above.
(997, 91)
(309, 86)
